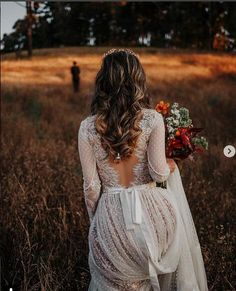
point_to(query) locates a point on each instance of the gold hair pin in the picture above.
(113, 50)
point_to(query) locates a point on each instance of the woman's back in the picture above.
(146, 163)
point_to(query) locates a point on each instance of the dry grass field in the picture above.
(44, 223)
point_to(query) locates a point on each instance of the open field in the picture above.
(44, 223)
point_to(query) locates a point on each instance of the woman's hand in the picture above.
(171, 163)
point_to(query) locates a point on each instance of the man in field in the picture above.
(75, 72)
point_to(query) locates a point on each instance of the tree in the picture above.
(160, 24)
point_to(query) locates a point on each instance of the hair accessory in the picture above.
(117, 158)
(114, 50)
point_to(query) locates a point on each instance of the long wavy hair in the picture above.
(120, 95)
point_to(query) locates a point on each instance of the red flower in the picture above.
(162, 107)
(181, 146)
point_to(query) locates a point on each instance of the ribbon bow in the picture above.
(131, 207)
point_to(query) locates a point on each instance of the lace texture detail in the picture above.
(150, 151)
(116, 260)
(158, 168)
(91, 180)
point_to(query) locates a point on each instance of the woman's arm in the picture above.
(157, 163)
(91, 180)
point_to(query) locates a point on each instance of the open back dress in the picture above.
(141, 236)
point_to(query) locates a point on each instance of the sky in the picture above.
(10, 12)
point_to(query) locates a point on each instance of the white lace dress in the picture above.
(141, 237)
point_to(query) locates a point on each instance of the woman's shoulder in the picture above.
(87, 125)
(151, 116)
(89, 118)
(152, 112)
(88, 121)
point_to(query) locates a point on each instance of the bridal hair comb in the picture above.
(113, 50)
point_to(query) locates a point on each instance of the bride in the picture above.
(141, 236)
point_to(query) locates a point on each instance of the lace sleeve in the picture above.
(91, 180)
(158, 167)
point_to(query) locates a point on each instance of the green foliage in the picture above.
(184, 117)
(200, 141)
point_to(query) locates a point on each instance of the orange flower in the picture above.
(162, 107)
(177, 133)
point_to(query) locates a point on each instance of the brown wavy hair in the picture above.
(120, 95)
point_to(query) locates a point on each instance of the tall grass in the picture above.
(44, 223)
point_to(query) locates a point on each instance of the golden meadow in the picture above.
(44, 223)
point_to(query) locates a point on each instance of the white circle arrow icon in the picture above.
(229, 151)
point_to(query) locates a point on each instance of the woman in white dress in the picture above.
(141, 235)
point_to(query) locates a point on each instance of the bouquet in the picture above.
(182, 139)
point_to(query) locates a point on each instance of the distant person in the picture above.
(75, 71)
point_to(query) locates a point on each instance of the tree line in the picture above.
(154, 24)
